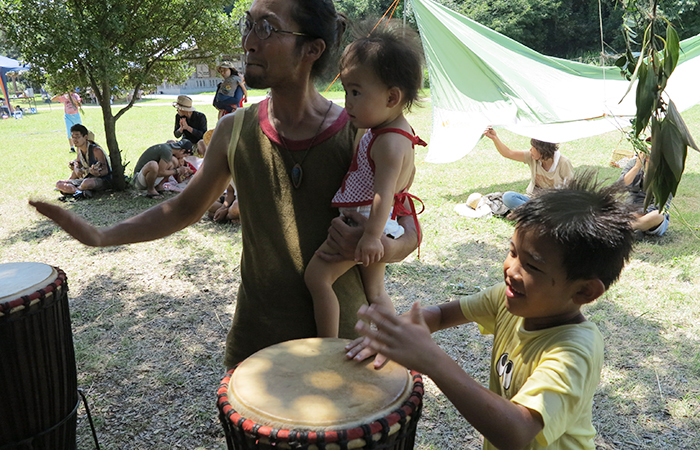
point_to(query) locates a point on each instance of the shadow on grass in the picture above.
(104, 209)
(153, 359)
(650, 371)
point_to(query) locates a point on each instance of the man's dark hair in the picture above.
(319, 19)
(80, 128)
(590, 223)
(546, 149)
(394, 54)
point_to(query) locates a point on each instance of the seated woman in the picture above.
(90, 171)
(548, 167)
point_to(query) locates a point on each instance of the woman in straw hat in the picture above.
(229, 92)
(189, 123)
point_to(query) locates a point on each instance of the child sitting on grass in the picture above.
(568, 247)
(381, 75)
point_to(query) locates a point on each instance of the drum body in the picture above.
(306, 394)
(38, 379)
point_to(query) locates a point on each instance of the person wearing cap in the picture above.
(90, 171)
(158, 163)
(189, 123)
(229, 92)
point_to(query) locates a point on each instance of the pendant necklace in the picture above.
(297, 173)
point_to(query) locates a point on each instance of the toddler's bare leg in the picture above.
(373, 281)
(319, 277)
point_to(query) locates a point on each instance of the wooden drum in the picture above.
(305, 394)
(38, 379)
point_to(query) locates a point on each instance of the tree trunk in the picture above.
(115, 155)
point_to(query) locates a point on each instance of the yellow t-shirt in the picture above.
(554, 371)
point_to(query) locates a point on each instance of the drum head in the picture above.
(309, 384)
(18, 279)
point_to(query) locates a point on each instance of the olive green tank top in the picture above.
(282, 227)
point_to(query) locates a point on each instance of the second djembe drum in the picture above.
(38, 377)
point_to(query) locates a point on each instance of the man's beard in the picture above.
(255, 82)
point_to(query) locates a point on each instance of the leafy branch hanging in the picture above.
(656, 113)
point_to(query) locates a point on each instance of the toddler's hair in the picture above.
(393, 53)
(590, 223)
(546, 149)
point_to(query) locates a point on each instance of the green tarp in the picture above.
(480, 78)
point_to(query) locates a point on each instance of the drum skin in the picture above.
(306, 394)
(38, 378)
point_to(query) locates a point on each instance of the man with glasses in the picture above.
(293, 152)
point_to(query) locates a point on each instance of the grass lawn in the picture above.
(150, 320)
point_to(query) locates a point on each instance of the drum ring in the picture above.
(410, 407)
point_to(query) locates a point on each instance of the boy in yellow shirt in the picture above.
(568, 247)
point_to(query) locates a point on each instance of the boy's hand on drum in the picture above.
(73, 224)
(359, 350)
(405, 339)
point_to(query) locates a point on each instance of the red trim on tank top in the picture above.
(302, 145)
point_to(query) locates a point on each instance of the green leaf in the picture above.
(672, 148)
(677, 119)
(640, 61)
(646, 94)
(671, 50)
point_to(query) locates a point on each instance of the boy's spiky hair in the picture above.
(588, 221)
(394, 54)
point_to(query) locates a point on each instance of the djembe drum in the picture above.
(38, 379)
(306, 394)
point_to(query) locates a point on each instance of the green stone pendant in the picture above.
(297, 175)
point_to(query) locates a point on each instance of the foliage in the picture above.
(670, 137)
(553, 27)
(113, 45)
(569, 28)
(359, 10)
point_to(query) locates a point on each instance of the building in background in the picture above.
(203, 79)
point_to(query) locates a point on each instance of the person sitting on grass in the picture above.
(648, 221)
(90, 171)
(568, 247)
(158, 163)
(226, 208)
(548, 167)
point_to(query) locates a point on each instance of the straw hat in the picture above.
(184, 103)
(225, 65)
(207, 136)
(473, 200)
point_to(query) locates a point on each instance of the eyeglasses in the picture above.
(263, 29)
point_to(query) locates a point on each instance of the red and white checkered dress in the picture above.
(358, 185)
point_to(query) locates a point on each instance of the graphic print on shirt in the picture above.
(504, 368)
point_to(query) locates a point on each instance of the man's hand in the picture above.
(73, 224)
(343, 236)
(405, 339)
(95, 169)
